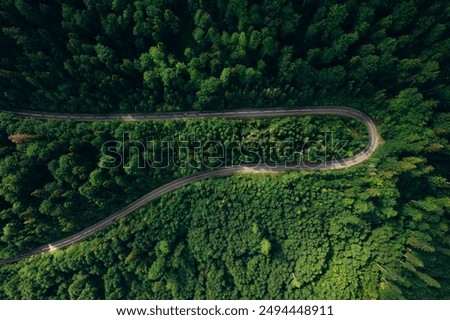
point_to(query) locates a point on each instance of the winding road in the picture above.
(220, 172)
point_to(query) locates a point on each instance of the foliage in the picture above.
(377, 231)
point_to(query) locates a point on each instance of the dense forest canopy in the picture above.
(165, 55)
(376, 231)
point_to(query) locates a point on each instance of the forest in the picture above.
(379, 230)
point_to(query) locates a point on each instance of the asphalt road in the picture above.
(220, 172)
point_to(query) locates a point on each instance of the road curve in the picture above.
(220, 172)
